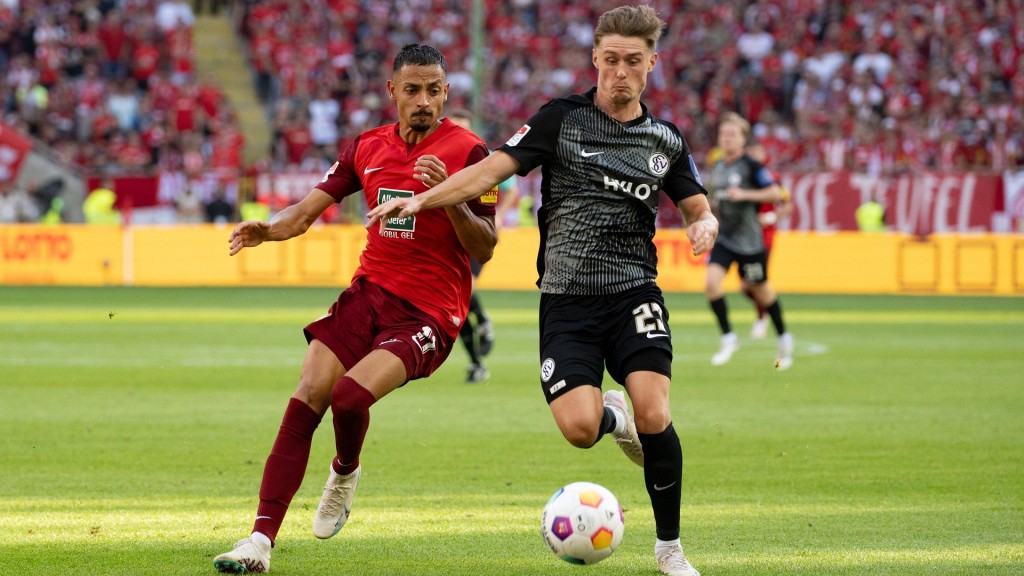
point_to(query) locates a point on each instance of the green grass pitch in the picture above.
(134, 423)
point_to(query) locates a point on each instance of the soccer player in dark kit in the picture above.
(740, 184)
(605, 159)
(402, 313)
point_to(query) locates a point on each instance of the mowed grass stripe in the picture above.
(76, 315)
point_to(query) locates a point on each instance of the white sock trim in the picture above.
(660, 545)
(620, 422)
(261, 539)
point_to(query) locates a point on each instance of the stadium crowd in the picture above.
(862, 85)
(110, 87)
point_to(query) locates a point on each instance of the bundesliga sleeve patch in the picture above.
(518, 135)
(693, 168)
(490, 197)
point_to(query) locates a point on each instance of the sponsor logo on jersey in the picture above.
(490, 197)
(518, 135)
(547, 369)
(396, 227)
(642, 191)
(658, 163)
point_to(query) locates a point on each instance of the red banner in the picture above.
(919, 204)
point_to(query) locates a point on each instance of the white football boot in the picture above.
(626, 438)
(672, 561)
(248, 556)
(730, 344)
(760, 329)
(784, 357)
(336, 503)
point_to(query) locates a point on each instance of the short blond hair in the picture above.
(631, 22)
(739, 121)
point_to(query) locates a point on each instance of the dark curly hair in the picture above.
(419, 55)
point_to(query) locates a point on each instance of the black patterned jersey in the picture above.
(739, 230)
(599, 192)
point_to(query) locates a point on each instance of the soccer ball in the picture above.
(582, 523)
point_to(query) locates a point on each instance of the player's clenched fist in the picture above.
(702, 234)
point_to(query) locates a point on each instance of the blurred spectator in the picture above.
(174, 14)
(871, 216)
(98, 207)
(755, 44)
(323, 114)
(113, 36)
(123, 104)
(873, 60)
(189, 204)
(16, 205)
(53, 214)
(218, 209)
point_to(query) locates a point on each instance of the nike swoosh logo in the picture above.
(586, 154)
(666, 487)
(368, 170)
(262, 517)
(653, 335)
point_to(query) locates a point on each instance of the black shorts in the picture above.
(582, 335)
(475, 267)
(753, 267)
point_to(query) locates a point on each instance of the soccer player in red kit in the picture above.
(399, 318)
(768, 215)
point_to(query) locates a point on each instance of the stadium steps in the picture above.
(221, 55)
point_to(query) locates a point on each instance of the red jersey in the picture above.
(419, 258)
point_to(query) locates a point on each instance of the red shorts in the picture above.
(367, 317)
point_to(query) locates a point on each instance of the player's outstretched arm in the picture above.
(701, 224)
(768, 194)
(471, 182)
(477, 234)
(288, 223)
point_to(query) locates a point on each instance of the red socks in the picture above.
(285, 467)
(350, 404)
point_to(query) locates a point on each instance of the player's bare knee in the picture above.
(580, 434)
(652, 421)
(318, 397)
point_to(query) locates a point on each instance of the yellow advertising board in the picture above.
(197, 255)
(78, 255)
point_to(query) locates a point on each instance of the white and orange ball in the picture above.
(583, 523)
